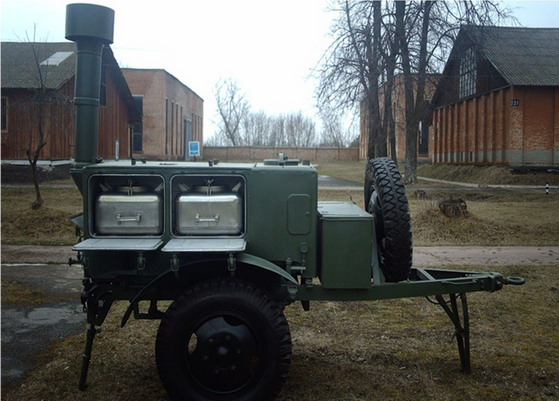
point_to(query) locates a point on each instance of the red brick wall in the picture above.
(167, 102)
(517, 126)
(399, 106)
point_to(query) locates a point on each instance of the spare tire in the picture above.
(385, 198)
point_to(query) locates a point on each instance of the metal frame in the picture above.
(423, 283)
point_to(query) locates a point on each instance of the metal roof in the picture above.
(22, 61)
(523, 56)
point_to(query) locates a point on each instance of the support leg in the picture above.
(97, 308)
(461, 326)
(91, 331)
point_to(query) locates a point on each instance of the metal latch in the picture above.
(214, 219)
(125, 219)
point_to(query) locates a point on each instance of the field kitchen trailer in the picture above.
(230, 245)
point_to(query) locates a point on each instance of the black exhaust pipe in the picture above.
(91, 27)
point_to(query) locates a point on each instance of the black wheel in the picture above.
(385, 198)
(223, 340)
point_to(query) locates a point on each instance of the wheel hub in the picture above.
(223, 354)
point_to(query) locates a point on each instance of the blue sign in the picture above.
(193, 148)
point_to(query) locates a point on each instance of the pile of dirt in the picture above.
(488, 175)
(431, 227)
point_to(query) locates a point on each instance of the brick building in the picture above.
(398, 109)
(172, 114)
(26, 101)
(498, 100)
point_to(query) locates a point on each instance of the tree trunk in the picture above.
(410, 170)
(389, 126)
(414, 106)
(374, 71)
(38, 202)
(408, 90)
(38, 198)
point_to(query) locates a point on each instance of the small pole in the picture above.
(547, 189)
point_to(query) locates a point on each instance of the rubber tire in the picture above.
(263, 318)
(385, 198)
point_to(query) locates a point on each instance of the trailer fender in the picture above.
(139, 295)
(245, 258)
(264, 264)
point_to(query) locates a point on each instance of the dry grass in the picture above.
(347, 170)
(49, 225)
(529, 220)
(389, 350)
(494, 220)
(485, 175)
(17, 293)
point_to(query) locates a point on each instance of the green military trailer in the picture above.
(231, 245)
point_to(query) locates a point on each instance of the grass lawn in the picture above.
(484, 175)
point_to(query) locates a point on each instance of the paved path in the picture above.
(490, 186)
(28, 329)
(485, 256)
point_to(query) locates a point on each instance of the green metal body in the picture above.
(346, 238)
(279, 222)
(296, 247)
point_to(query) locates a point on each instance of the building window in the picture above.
(138, 129)
(468, 73)
(188, 130)
(4, 114)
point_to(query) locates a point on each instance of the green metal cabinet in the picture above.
(346, 245)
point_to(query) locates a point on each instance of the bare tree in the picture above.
(299, 130)
(389, 51)
(426, 31)
(350, 71)
(333, 133)
(44, 106)
(232, 108)
(277, 133)
(241, 127)
(256, 128)
(414, 104)
(373, 41)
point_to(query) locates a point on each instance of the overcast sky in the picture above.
(268, 46)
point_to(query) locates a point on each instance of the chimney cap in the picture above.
(89, 21)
